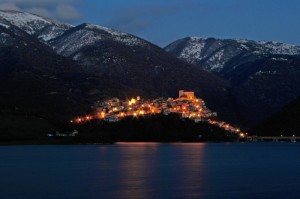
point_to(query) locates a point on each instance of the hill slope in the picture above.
(285, 122)
(34, 78)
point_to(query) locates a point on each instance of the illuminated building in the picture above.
(186, 94)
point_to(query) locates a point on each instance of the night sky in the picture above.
(162, 22)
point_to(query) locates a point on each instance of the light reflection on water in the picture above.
(137, 166)
(151, 170)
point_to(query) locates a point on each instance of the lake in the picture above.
(151, 170)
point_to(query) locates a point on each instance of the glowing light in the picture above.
(102, 115)
(122, 114)
(133, 101)
(192, 109)
(78, 120)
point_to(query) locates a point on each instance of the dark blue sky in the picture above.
(163, 21)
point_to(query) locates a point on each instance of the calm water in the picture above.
(140, 170)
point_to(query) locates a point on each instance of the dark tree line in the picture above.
(156, 128)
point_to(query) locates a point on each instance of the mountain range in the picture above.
(57, 71)
(264, 75)
(86, 63)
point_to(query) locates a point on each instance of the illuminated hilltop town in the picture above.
(187, 105)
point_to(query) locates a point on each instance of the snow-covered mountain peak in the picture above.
(125, 38)
(23, 19)
(242, 41)
(89, 34)
(195, 38)
(272, 47)
(4, 25)
(212, 54)
(108, 30)
(44, 28)
(280, 48)
(193, 49)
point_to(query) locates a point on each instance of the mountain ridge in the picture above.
(209, 51)
(43, 28)
(264, 75)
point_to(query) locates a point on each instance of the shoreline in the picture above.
(15, 143)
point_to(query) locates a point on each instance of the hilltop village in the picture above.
(187, 105)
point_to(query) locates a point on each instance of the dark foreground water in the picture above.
(141, 170)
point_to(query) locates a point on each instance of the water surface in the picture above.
(151, 170)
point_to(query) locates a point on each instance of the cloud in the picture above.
(36, 2)
(139, 18)
(67, 12)
(8, 6)
(134, 19)
(62, 10)
(40, 11)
